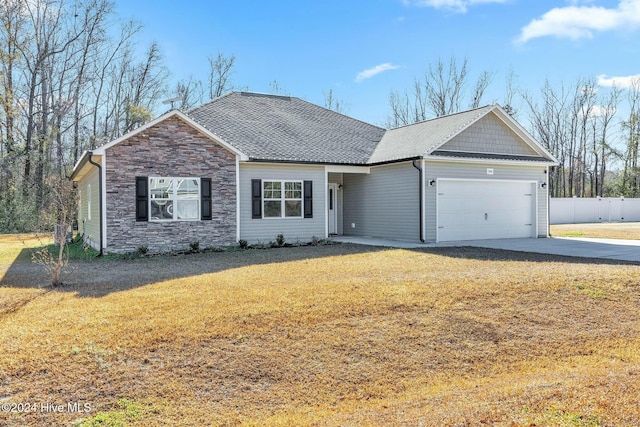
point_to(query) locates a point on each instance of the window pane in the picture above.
(161, 209)
(160, 188)
(272, 209)
(188, 189)
(188, 209)
(293, 190)
(272, 190)
(293, 208)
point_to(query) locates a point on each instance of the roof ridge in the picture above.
(265, 95)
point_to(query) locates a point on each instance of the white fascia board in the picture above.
(347, 169)
(83, 165)
(81, 159)
(488, 161)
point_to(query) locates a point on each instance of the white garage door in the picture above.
(473, 210)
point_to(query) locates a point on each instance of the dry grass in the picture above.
(337, 335)
(614, 230)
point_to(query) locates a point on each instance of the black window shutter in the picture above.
(142, 198)
(308, 199)
(205, 199)
(256, 198)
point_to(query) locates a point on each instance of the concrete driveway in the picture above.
(624, 250)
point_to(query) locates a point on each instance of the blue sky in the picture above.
(363, 50)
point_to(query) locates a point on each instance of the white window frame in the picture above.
(174, 198)
(283, 199)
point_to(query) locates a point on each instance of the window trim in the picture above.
(174, 198)
(283, 199)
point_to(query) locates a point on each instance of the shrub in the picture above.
(143, 250)
(195, 247)
(243, 244)
(280, 239)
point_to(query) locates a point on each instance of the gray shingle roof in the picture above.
(417, 140)
(283, 128)
(287, 129)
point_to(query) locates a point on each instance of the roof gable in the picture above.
(174, 113)
(454, 131)
(489, 135)
(418, 139)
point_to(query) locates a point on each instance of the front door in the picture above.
(332, 204)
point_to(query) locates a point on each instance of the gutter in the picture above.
(420, 184)
(100, 201)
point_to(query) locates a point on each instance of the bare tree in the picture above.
(331, 103)
(190, 92)
(62, 208)
(220, 72)
(442, 91)
(574, 127)
(276, 89)
(602, 150)
(510, 93)
(66, 85)
(148, 80)
(631, 126)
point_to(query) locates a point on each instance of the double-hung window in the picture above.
(272, 198)
(282, 199)
(174, 199)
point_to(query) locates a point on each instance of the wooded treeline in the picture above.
(73, 76)
(594, 133)
(66, 85)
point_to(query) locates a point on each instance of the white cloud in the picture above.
(577, 22)
(367, 74)
(459, 6)
(620, 82)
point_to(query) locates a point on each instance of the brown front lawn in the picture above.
(325, 335)
(605, 230)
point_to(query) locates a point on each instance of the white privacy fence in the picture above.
(574, 210)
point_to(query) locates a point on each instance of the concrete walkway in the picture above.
(624, 250)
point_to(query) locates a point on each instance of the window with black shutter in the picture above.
(256, 198)
(142, 198)
(308, 199)
(205, 198)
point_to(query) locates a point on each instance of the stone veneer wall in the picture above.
(171, 148)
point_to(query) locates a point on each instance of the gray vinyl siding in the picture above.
(89, 227)
(293, 229)
(384, 203)
(435, 170)
(489, 135)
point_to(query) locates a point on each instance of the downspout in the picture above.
(548, 189)
(100, 201)
(420, 184)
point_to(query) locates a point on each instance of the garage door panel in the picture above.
(472, 210)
